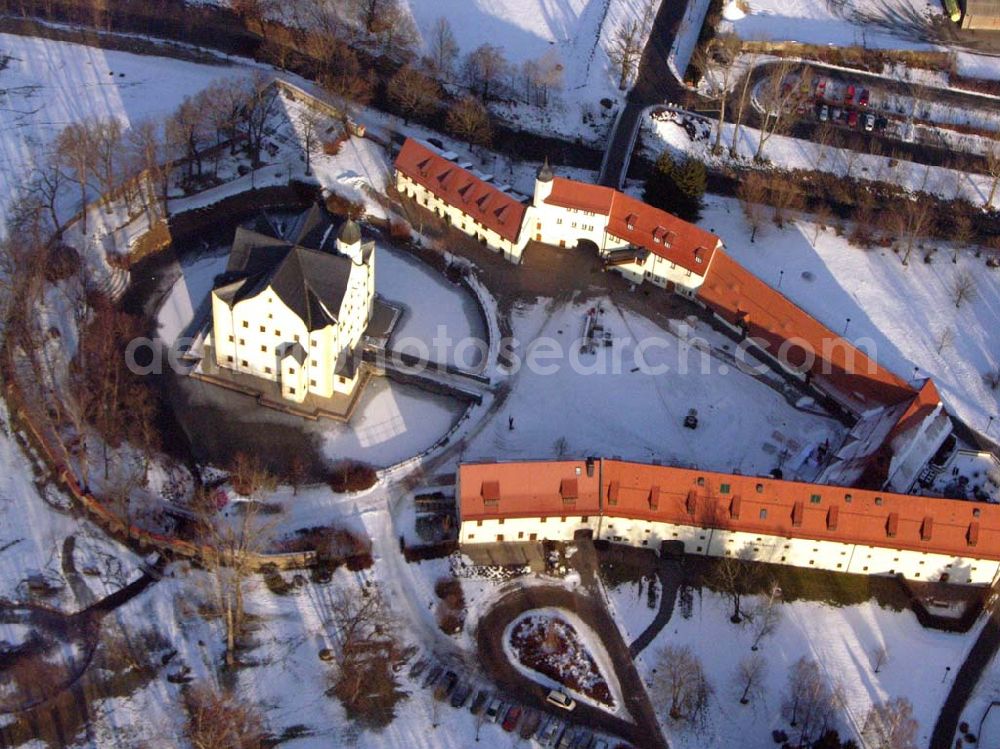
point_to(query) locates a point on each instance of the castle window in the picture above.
(246, 324)
(760, 488)
(312, 382)
(244, 363)
(277, 333)
(291, 391)
(878, 501)
(243, 341)
(263, 349)
(231, 339)
(815, 499)
(848, 498)
(263, 329)
(267, 370)
(291, 370)
(763, 513)
(229, 359)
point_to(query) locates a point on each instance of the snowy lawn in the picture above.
(871, 23)
(904, 312)
(664, 131)
(595, 404)
(634, 605)
(48, 85)
(841, 639)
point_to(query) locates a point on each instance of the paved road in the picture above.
(654, 85)
(645, 732)
(968, 676)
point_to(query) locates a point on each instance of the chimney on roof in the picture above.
(543, 185)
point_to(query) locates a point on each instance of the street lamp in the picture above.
(781, 275)
(989, 424)
(847, 325)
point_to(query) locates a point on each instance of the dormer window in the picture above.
(630, 221)
(660, 234)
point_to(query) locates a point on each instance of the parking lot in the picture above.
(489, 706)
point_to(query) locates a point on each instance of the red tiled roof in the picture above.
(853, 379)
(750, 504)
(786, 508)
(458, 187)
(555, 488)
(641, 224)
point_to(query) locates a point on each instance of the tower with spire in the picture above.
(349, 241)
(543, 184)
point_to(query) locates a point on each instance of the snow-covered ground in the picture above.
(666, 131)
(906, 312)
(842, 640)
(868, 23)
(598, 404)
(48, 85)
(629, 604)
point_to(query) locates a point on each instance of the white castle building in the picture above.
(294, 303)
(641, 242)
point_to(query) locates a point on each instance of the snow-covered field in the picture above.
(841, 639)
(598, 404)
(905, 311)
(48, 85)
(870, 23)
(665, 131)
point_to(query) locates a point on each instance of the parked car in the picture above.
(551, 733)
(432, 676)
(863, 98)
(849, 96)
(560, 700)
(852, 119)
(881, 123)
(444, 688)
(869, 122)
(511, 719)
(821, 88)
(493, 710)
(418, 668)
(836, 113)
(824, 113)
(461, 695)
(482, 696)
(566, 740)
(530, 723)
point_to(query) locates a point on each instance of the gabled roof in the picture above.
(846, 373)
(644, 226)
(310, 282)
(493, 490)
(708, 499)
(460, 188)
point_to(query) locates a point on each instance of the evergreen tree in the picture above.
(677, 187)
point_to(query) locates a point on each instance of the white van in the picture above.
(561, 700)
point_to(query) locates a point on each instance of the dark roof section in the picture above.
(545, 173)
(310, 282)
(350, 232)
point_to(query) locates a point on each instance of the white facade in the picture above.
(512, 251)
(261, 336)
(799, 552)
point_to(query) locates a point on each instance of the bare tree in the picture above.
(741, 103)
(345, 77)
(962, 234)
(766, 616)
(259, 105)
(785, 197)
(879, 657)
(364, 649)
(541, 76)
(716, 62)
(749, 679)
(188, 130)
(442, 49)
(945, 338)
(221, 720)
(821, 219)
(811, 703)
(891, 725)
(468, 120)
(231, 547)
(107, 145)
(681, 684)
(484, 68)
(993, 169)
(963, 287)
(752, 192)
(47, 184)
(413, 93)
(779, 96)
(625, 50)
(912, 220)
(310, 126)
(298, 472)
(75, 155)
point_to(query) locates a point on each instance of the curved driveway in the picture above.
(645, 732)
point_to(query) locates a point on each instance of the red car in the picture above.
(849, 96)
(821, 88)
(510, 720)
(863, 99)
(852, 119)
